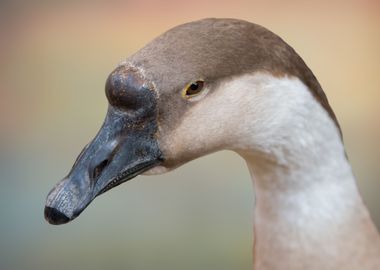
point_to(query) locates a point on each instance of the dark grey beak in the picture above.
(124, 147)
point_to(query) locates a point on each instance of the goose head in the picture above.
(182, 96)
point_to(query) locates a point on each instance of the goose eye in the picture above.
(193, 88)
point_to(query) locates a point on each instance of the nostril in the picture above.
(99, 168)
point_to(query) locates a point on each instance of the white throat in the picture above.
(308, 212)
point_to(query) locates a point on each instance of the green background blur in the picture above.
(55, 57)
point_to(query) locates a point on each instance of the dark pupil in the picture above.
(194, 86)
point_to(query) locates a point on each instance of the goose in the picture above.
(228, 84)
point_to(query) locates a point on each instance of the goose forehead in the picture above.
(218, 48)
(213, 49)
(169, 104)
(209, 48)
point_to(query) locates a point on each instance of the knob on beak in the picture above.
(125, 146)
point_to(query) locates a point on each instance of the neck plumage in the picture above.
(308, 212)
(310, 218)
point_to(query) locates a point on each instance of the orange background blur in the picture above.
(55, 57)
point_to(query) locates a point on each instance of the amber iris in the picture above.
(194, 88)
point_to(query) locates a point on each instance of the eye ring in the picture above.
(193, 89)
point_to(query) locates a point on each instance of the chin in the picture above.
(157, 170)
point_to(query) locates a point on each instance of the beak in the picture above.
(124, 147)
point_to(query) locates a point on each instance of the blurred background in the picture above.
(55, 57)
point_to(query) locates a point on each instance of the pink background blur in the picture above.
(55, 57)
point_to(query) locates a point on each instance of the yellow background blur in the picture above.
(55, 57)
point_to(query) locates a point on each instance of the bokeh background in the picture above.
(55, 57)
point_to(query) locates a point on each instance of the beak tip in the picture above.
(54, 216)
